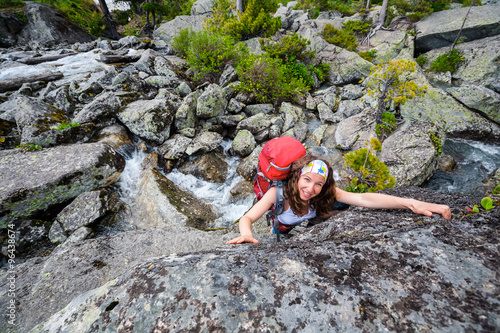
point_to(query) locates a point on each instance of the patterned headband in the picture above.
(316, 166)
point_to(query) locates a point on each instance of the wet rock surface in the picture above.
(362, 270)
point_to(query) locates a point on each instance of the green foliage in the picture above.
(122, 16)
(475, 209)
(340, 38)
(447, 62)
(368, 55)
(291, 46)
(21, 16)
(95, 25)
(387, 126)
(293, 53)
(315, 6)
(132, 31)
(63, 126)
(421, 60)
(358, 27)
(182, 42)
(321, 71)
(256, 19)
(389, 83)
(467, 3)
(496, 190)
(487, 203)
(209, 53)
(29, 147)
(370, 174)
(268, 79)
(436, 141)
(10, 3)
(414, 9)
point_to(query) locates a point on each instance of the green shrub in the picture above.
(447, 62)
(436, 141)
(29, 147)
(209, 53)
(358, 27)
(63, 126)
(387, 126)
(122, 16)
(291, 46)
(256, 19)
(293, 52)
(421, 60)
(95, 25)
(370, 174)
(368, 55)
(340, 38)
(467, 3)
(10, 3)
(182, 42)
(268, 79)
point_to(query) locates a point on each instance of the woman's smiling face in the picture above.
(310, 185)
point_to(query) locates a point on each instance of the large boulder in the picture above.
(82, 266)
(363, 270)
(47, 26)
(169, 30)
(440, 29)
(149, 119)
(410, 154)
(478, 98)
(210, 167)
(32, 182)
(161, 203)
(10, 26)
(354, 132)
(202, 7)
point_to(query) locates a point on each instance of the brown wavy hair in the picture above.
(323, 202)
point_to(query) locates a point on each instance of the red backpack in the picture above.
(275, 161)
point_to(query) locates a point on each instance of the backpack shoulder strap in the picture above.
(279, 207)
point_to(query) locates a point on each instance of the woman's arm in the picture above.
(384, 201)
(259, 209)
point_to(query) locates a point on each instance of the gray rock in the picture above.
(247, 168)
(350, 108)
(345, 66)
(79, 235)
(184, 89)
(326, 114)
(351, 91)
(114, 136)
(255, 124)
(410, 155)
(37, 120)
(299, 131)
(80, 267)
(86, 209)
(478, 98)
(328, 140)
(441, 28)
(244, 143)
(34, 181)
(56, 233)
(146, 62)
(343, 273)
(388, 44)
(211, 103)
(292, 115)
(163, 67)
(228, 75)
(311, 103)
(353, 132)
(9, 27)
(231, 120)
(202, 7)
(253, 46)
(210, 167)
(234, 106)
(31, 239)
(316, 136)
(48, 27)
(101, 110)
(175, 147)
(150, 120)
(205, 141)
(165, 204)
(159, 81)
(169, 30)
(252, 110)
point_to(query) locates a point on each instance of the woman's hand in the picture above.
(427, 209)
(243, 239)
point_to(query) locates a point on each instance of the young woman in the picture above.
(311, 191)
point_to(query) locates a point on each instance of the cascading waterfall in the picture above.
(475, 161)
(217, 194)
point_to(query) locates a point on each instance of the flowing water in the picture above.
(475, 162)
